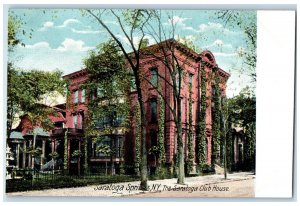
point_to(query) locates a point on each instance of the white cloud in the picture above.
(50, 24)
(69, 21)
(188, 28)
(39, 45)
(209, 26)
(46, 25)
(85, 31)
(222, 54)
(67, 45)
(73, 45)
(177, 20)
(219, 43)
(136, 40)
(67, 57)
(110, 22)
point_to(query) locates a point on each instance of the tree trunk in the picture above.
(225, 147)
(78, 164)
(180, 178)
(143, 163)
(111, 154)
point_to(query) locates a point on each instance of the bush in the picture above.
(51, 182)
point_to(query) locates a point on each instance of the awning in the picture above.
(40, 132)
(16, 135)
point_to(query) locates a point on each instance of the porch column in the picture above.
(24, 155)
(43, 152)
(53, 145)
(18, 155)
(29, 156)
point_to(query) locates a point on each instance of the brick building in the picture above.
(68, 136)
(157, 72)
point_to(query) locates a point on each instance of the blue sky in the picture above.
(61, 39)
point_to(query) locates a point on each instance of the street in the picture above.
(237, 185)
(240, 188)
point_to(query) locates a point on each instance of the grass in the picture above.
(59, 181)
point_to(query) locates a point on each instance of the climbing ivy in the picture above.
(190, 135)
(85, 156)
(161, 137)
(202, 122)
(66, 152)
(137, 140)
(216, 118)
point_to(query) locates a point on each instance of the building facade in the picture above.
(77, 151)
(157, 74)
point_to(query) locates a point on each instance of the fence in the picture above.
(28, 179)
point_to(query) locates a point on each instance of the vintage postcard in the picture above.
(131, 102)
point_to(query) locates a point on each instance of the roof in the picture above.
(206, 55)
(16, 135)
(39, 132)
(81, 72)
(57, 118)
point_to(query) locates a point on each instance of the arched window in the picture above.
(154, 76)
(153, 107)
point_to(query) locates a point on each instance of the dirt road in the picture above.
(237, 185)
(240, 188)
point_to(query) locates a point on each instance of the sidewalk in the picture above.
(200, 183)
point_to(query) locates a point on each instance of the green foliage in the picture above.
(15, 31)
(58, 181)
(216, 119)
(105, 61)
(85, 155)
(66, 163)
(190, 135)
(107, 86)
(14, 25)
(242, 109)
(54, 155)
(105, 149)
(153, 150)
(135, 17)
(35, 152)
(137, 140)
(161, 133)
(201, 137)
(246, 21)
(25, 91)
(77, 154)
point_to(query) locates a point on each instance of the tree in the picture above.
(166, 52)
(108, 85)
(246, 21)
(25, 90)
(131, 22)
(242, 109)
